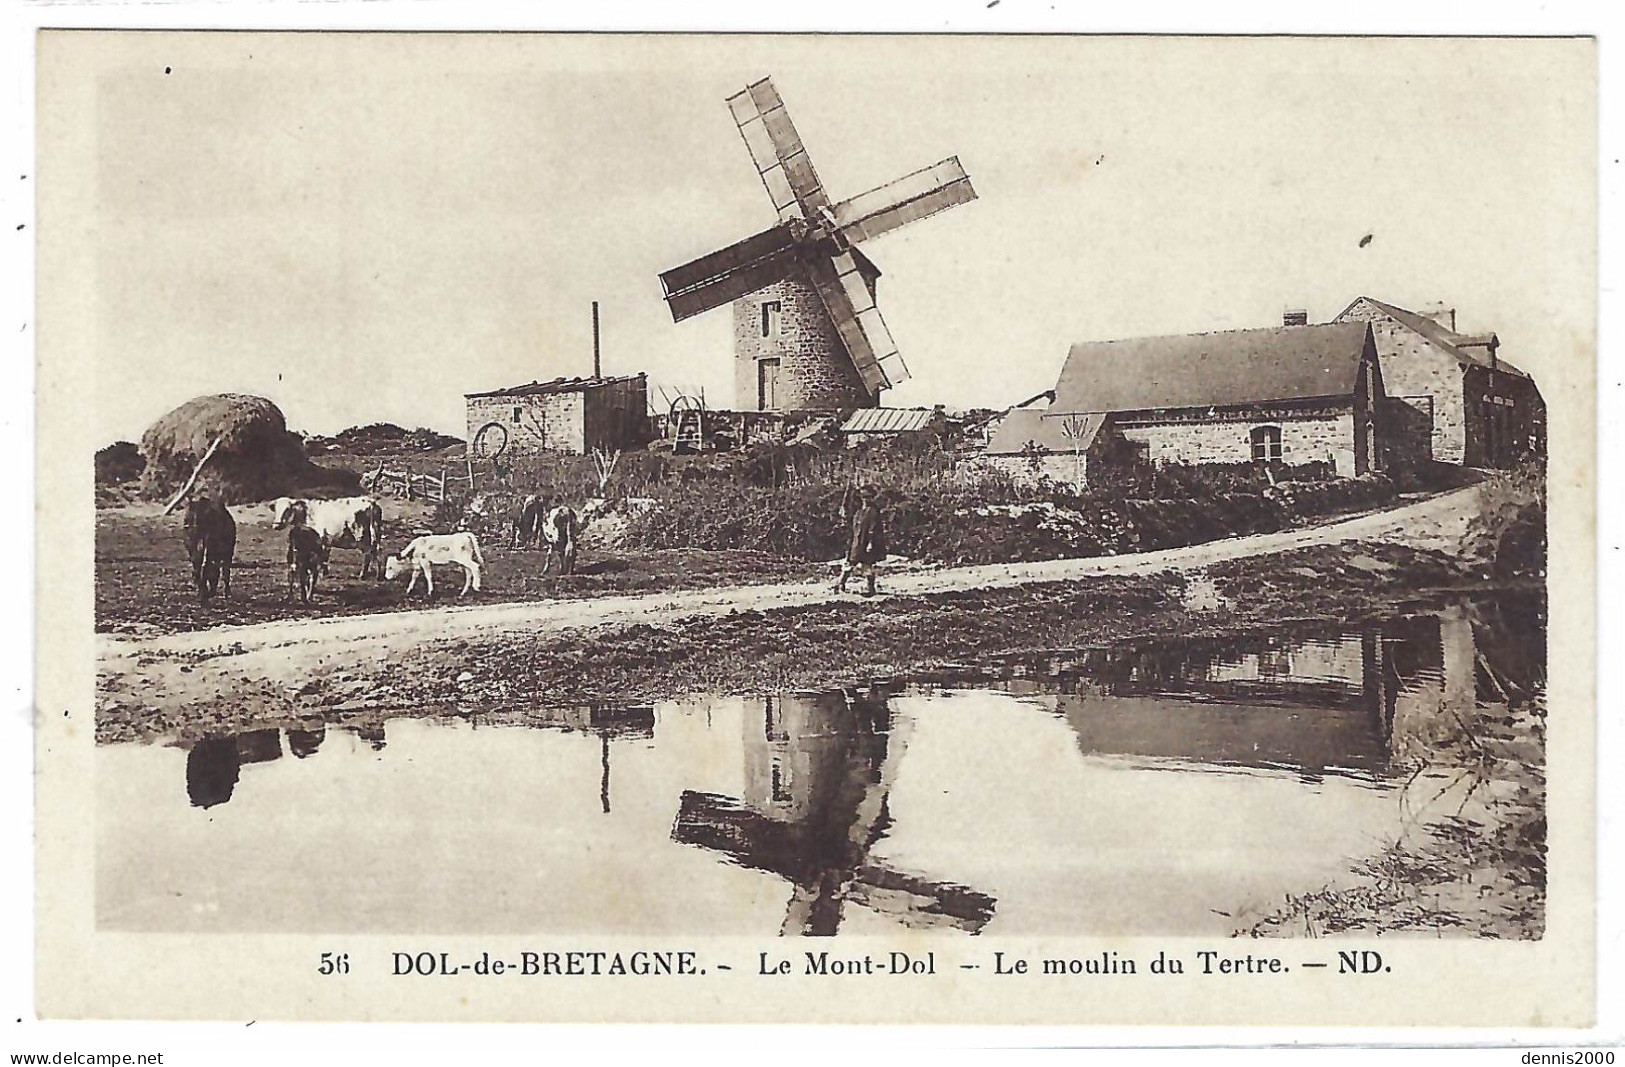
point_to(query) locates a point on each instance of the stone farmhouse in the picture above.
(573, 415)
(1451, 397)
(1287, 394)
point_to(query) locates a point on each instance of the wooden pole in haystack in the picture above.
(195, 472)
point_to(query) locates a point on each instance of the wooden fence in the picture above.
(413, 486)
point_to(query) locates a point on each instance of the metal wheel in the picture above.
(490, 442)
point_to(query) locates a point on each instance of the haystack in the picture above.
(257, 459)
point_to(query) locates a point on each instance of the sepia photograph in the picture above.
(920, 493)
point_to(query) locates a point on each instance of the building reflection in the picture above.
(1366, 701)
(818, 768)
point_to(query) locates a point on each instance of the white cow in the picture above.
(422, 552)
(348, 522)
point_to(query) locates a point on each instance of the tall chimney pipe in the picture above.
(597, 368)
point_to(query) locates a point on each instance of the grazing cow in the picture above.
(421, 552)
(211, 540)
(561, 530)
(305, 556)
(348, 522)
(527, 522)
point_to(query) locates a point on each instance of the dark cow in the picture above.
(305, 556)
(527, 521)
(211, 540)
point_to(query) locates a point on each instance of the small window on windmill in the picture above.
(770, 318)
(517, 414)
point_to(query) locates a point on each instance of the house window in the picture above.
(516, 414)
(770, 318)
(1266, 444)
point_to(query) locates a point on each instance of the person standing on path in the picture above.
(866, 545)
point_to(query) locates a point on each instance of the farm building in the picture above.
(572, 415)
(1032, 445)
(1451, 397)
(1288, 394)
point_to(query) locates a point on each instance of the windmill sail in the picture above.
(915, 196)
(845, 296)
(775, 147)
(738, 270)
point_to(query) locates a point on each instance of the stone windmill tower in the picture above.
(807, 333)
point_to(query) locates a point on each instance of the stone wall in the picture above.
(814, 370)
(1411, 366)
(1030, 470)
(1321, 437)
(546, 422)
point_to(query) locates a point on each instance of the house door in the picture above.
(767, 385)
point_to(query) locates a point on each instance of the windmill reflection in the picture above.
(818, 770)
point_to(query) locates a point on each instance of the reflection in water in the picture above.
(818, 770)
(304, 743)
(211, 771)
(1024, 804)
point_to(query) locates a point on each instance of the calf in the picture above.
(211, 541)
(348, 522)
(305, 556)
(421, 552)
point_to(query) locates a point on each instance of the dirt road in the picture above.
(184, 668)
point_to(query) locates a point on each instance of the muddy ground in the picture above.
(144, 582)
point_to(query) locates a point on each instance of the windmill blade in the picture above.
(915, 196)
(776, 149)
(738, 270)
(858, 321)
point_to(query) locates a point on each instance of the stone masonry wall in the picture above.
(814, 369)
(1304, 439)
(548, 422)
(1411, 367)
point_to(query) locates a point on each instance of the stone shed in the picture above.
(1286, 394)
(572, 415)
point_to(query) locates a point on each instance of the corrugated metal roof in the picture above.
(557, 385)
(888, 420)
(1047, 432)
(1212, 369)
(1437, 335)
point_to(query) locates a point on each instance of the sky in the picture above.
(365, 227)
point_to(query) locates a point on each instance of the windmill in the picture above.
(807, 332)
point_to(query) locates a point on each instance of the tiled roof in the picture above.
(1211, 369)
(557, 385)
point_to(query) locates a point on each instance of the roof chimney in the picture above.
(1295, 317)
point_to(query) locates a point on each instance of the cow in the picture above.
(527, 522)
(348, 522)
(211, 540)
(561, 530)
(305, 556)
(420, 553)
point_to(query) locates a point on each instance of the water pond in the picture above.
(1172, 787)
